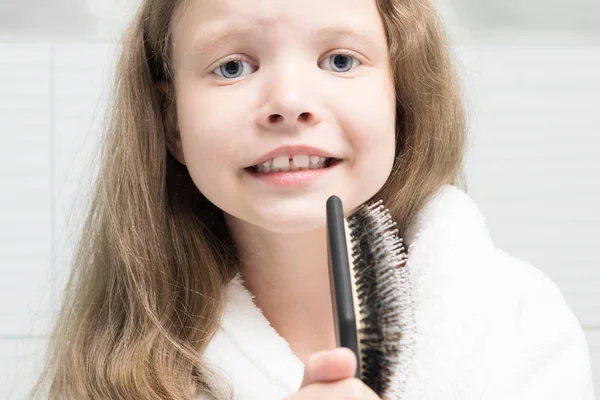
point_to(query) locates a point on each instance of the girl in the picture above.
(202, 270)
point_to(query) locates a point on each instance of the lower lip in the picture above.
(293, 178)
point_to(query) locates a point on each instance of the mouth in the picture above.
(292, 165)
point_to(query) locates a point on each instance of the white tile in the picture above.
(83, 82)
(25, 174)
(28, 302)
(20, 365)
(79, 19)
(535, 159)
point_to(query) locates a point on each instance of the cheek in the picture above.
(373, 138)
(208, 133)
(374, 127)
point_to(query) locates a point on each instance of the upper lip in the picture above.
(293, 150)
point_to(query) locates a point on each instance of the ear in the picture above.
(166, 95)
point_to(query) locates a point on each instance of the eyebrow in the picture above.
(213, 39)
(360, 34)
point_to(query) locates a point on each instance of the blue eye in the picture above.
(341, 62)
(233, 69)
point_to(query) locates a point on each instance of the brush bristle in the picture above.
(379, 258)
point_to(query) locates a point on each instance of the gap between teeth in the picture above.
(298, 162)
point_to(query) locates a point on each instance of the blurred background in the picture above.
(531, 72)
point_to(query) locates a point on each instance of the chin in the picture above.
(297, 216)
(291, 220)
(295, 213)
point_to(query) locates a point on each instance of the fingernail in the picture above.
(321, 355)
(317, 357)
(344, 350)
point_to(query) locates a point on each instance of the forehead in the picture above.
(272, 17)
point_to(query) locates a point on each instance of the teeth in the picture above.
(301, 161)
(297, 162)
(281, 162)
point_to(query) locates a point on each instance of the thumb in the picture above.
(329, 366)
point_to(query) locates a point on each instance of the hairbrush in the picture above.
(369, 291)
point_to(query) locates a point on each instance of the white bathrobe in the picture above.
(485, 325)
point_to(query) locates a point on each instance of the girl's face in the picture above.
(252, 76)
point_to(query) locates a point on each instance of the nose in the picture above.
(288, 105)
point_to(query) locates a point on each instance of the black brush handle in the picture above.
(339, 279)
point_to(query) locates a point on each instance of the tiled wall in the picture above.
(51, 106)
(533, 169)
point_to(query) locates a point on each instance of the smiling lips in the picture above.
(292, 163)
(300, 154)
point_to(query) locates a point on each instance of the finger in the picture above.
(351, 388)
(330, 366)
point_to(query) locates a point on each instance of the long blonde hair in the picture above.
(145, 294)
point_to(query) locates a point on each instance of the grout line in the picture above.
(17, 337)
(52, 168)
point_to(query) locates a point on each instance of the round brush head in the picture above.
(382, 284)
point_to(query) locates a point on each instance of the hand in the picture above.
(330, 375)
